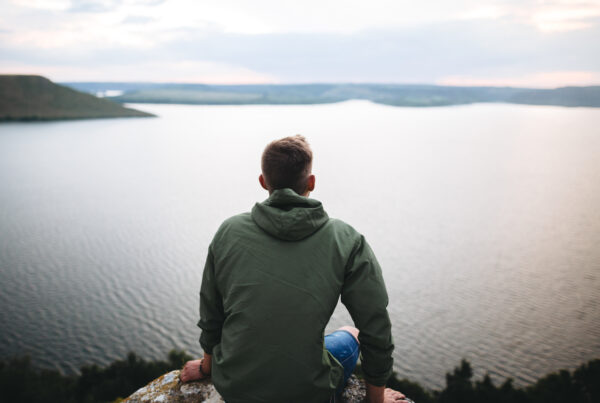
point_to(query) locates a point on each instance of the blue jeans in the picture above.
(344, 347)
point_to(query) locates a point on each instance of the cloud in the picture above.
(93, 6)
(103, 6)
(39, 4)
(149, 3)
(422, 54)
(145, 71)
(495, 40)
(546, 79)
(451, 53)
(330, 16)
(138, 19)
(563, 16)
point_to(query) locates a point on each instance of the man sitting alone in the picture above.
(270, 284)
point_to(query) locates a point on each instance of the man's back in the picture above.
(271, 282)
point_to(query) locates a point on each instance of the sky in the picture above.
(525, 43)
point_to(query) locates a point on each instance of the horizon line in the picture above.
(274, 83)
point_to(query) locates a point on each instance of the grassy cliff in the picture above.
(37, 98)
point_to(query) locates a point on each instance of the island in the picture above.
(31, 98)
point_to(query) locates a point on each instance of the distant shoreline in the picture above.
(314, 94)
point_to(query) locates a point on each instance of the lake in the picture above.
(485, 219)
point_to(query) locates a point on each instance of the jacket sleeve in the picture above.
(211, 307)
(365, 297)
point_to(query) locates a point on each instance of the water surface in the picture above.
(484, 218)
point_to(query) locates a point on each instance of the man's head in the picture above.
(287, 163)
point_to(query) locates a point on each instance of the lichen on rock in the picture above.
(169, 389)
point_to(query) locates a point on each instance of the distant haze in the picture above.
(525, 43)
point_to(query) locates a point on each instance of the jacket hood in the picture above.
(289, 216)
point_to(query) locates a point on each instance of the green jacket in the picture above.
(271, 282)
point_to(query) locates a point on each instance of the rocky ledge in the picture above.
(169, 389)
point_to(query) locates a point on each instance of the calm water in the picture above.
(485, 219)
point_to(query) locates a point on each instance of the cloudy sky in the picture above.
(461, 42)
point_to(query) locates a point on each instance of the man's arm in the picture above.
(211, 323)
(365, 296)
(211, 307)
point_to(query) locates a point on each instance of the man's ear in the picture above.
(310, 185)
(261, 179)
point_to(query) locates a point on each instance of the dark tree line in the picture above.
(579, 386)
(20, 381)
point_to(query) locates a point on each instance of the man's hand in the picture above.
(191, 369)
(380, 394)
(391, 395)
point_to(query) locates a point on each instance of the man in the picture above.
(270, 284)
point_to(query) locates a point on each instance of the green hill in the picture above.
(37, 98)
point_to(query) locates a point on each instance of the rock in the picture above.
(168, 389)
(355, 390)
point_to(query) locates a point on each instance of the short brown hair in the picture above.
(286, 163)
